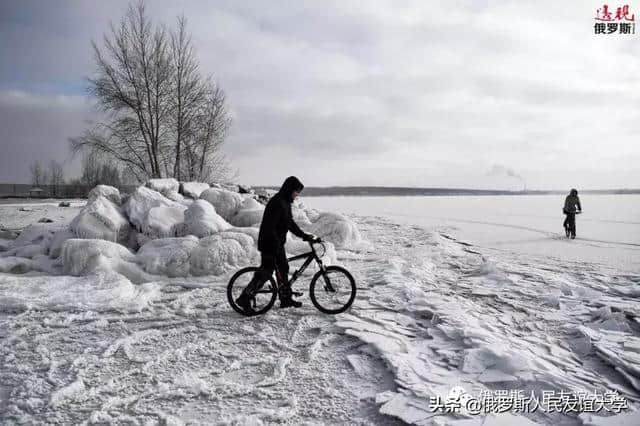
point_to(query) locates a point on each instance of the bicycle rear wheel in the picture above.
(265, 297)
(332, 291)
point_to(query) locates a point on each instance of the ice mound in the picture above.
(100, 292)
(222, 252)
(109, 192)
(246, 218)
(33, 241)
(337, 229)
(141, 201)
(16, 265)
(163, 221)
(300, 217)
(36, 234)
(85, 257)
(194, 189)
(101, 219)
(167, 256)
(201, 220)
(58, 239)
(226, 203)
(164, 186)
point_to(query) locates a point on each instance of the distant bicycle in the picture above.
(570, 224)
(332, 288)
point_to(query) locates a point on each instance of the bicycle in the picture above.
(337, 285)
(570, 223)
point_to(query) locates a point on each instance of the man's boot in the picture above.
(286, 298)
(244, 302)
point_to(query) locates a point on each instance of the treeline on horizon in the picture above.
(403, 191)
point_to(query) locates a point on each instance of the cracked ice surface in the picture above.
(432, 312)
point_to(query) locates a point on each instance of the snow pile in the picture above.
(201, 220)
(16, 265)
(163, 221)
(58, 239)
(226, 203)
(194, 189)
(164, 186)
(167, 256)
(33, 241)
(109, 192)
(249, 214)
(101, 219)
(85, 257)
(142, 201)
(337, 229)
(102, 292)
(222, 252)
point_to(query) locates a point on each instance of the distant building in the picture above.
(36, 192)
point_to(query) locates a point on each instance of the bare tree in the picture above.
(149, 86)
(97, 171)
(56, 176)
(38, 175)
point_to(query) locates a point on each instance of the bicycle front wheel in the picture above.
(333, 290)
(264, 298)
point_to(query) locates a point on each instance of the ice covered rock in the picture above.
(15, 265)
(337, 229)
(141, 201)
(201, 220)
(109, 192)
(164, 186)
(245, 218)
(167, 256)
(101, 219)
(300, 217)
(163, 221)
(222, 252)
(101, 292)
(249, 214)
(84, 257)
(36, 234)
(45, 220)
(250, 203)
(194, 189)
(226, 203)
(58, 239)
(7, 234)
(177, 197)
(27, 251)
(250, 231)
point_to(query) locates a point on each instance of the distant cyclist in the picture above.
(571, 207)
(277, 220)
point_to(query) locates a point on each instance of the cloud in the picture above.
(37, 128)
(380, 88)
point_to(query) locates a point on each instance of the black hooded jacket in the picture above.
(277, 219)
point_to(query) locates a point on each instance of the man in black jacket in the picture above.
(277, 220)
(570, 203)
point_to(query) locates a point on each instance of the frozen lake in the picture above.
(607, 232)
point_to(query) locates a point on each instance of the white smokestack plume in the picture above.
(498, 170)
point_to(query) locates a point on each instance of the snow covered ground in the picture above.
(448, 296)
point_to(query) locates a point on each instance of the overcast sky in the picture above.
(420, 93)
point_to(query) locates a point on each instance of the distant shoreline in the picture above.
(364, 191)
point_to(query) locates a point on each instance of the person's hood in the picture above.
(290, 185)
(573, 192)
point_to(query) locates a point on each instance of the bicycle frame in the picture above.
(309, 257)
